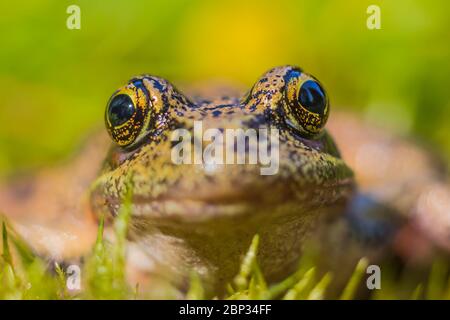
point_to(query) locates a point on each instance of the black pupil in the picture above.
(312, 97)
(120, 109)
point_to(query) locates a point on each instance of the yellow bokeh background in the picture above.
(55, 82)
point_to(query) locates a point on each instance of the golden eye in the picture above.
(307, 103)
(127, 113)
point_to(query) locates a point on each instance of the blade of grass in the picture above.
(277, 289)
(6, 253)
(241, 280)
(61, 280)
(196, 290)
(258, 286)
(230, 289)
(436, 279)
(355, 279)
(299, 291)
(417, 293)
(318, 292)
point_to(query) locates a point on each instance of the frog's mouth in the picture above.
(229, 199)
(199, 209)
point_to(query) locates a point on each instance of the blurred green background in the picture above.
(55, 82)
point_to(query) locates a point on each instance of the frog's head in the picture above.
(141, 119)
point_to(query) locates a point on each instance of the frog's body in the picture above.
(186, 217)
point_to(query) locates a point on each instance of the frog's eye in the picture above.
(120, 109)
(307, 106)
(127, 114)
(312, 97)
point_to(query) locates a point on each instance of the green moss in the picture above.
(25, 276)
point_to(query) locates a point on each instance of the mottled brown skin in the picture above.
(184, 218)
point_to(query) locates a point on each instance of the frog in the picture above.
(192, 217)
